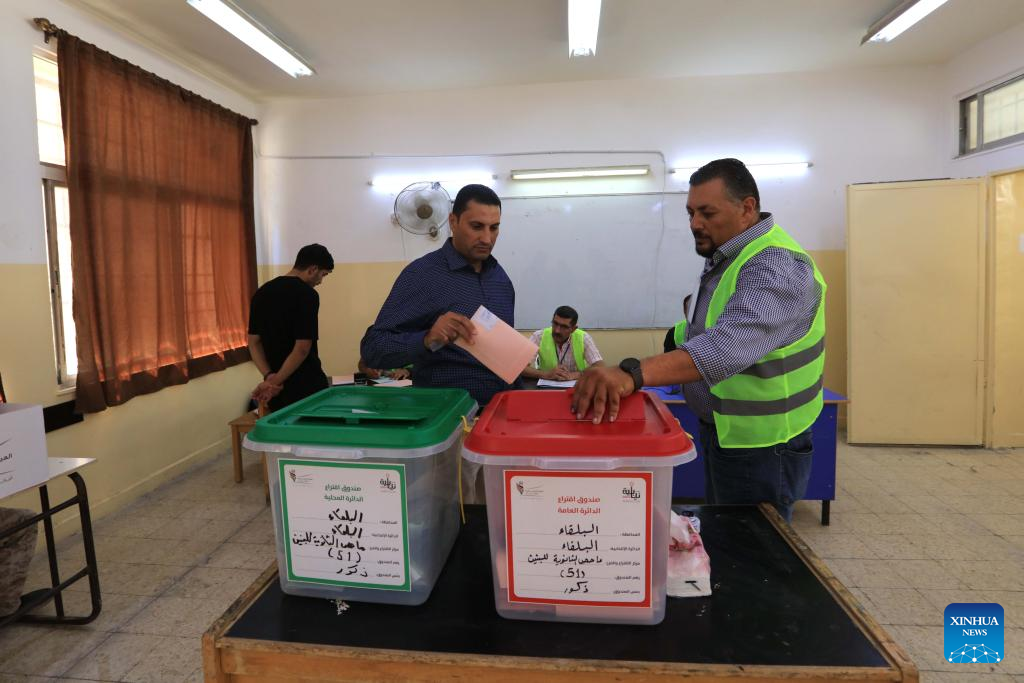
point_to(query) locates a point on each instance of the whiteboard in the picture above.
(622, 261)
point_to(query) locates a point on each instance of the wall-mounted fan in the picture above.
(422, 209)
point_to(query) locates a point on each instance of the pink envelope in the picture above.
(498, 346)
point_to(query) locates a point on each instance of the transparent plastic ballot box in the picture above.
(364, 490)
(578, 513)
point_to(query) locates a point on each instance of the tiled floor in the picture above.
(915, 529)
(912, 530)
(169, 566)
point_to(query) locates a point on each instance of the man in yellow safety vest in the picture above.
(754, 355)
(565, 350)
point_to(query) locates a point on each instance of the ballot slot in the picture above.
(547, 406)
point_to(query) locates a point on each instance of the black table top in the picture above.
(767, 608)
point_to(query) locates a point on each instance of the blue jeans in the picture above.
(773, 474)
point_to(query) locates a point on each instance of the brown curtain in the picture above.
(162, 231)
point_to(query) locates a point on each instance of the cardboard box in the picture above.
(23, 462)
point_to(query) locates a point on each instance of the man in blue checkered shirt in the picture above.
(430, 306)
(753, 358)
(432, 300)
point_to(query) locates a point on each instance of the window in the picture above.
(55, 204)
(993, 117)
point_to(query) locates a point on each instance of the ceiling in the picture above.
(362, 47)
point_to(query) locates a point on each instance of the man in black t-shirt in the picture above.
(283, 330)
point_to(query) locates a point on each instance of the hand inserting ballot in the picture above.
(447, 329)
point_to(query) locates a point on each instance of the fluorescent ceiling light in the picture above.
(769, 170)
(235, 21)
(905, 15)
(584, 18)
(559, 173)
(451, 180)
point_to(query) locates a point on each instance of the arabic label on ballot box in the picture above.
(579, 538)
(345, 524)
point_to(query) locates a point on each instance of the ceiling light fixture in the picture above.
(562, 173)
(902, 17)
(584, 19)
(235, 21)
(769, 170)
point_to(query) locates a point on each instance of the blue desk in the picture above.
(688, 479)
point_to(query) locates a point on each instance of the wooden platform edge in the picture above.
(874, 631)
(244, 659)
(212, 664)
(238, 659)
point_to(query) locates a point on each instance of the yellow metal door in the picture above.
(915, 312)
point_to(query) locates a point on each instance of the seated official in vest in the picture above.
(752, 363)
(565, 351)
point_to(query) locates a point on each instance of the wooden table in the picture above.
(777, 614)
(59, 467)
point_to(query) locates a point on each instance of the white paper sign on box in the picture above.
(23, 461)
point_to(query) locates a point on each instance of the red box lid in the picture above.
(541, 422)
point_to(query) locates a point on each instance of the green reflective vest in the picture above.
(780, 395)
(549, 356)
(679, 333)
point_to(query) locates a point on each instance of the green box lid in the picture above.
(368, 417)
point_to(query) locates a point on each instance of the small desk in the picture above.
(60, 467)
(688, 479)
(777, 615)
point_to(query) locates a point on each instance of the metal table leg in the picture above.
(36, 598)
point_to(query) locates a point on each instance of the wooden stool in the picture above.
(240, 426)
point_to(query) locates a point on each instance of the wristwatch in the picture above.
(632, 367)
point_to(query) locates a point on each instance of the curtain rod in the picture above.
(50, 30)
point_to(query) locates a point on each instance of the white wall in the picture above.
(857, 126)
(986, 64)
(22, 239)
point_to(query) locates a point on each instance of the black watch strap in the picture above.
(632, 366)
(638, 378)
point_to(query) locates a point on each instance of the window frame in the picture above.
(53, 176)
(963, 118)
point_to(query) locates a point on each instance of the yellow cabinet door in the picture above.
(1005, 407)
(916, 312)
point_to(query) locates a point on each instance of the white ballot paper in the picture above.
(498, 346)
(556, 383)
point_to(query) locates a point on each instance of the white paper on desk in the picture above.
(556, 383)
(339, 380)
(393, 382)
(498, 346)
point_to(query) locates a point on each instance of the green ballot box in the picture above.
(364, 490)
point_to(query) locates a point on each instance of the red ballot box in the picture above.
(578, 512)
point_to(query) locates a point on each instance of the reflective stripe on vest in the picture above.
(679, 333)
(548, 356)
(780, 395)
